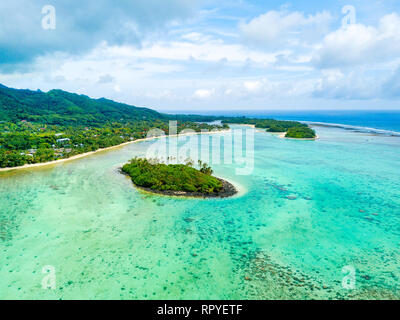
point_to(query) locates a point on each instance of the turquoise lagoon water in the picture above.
(308, 209)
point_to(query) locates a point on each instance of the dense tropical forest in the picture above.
(38, 126)
(154, 175)
(300, 133)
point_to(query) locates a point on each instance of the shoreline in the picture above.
(86, 154)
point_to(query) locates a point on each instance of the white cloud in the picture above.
(277, 28)
(106, 78)
(203, 93)
(354, 85)
(252, 86)
(285, 56)
(196, 37)
(81, 26)
(214, 50)
(391, 86)
(359, 44)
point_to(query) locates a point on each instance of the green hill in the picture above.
(58, 107)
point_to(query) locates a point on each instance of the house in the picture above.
(64, 140)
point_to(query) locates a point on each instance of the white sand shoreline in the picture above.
(82, 155)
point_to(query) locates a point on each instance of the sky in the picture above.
(180, 55)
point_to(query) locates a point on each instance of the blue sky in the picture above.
(209, 55)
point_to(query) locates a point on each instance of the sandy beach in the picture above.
(82, 155)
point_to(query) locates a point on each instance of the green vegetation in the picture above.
(293, 129)
(27, 143)
(58, 107)
(300, 133)
(172, 177)
(40, 127)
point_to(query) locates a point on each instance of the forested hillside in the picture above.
(58, 107)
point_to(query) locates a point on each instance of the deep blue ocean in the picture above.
(384, 120)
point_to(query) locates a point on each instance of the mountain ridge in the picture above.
(59, 107)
